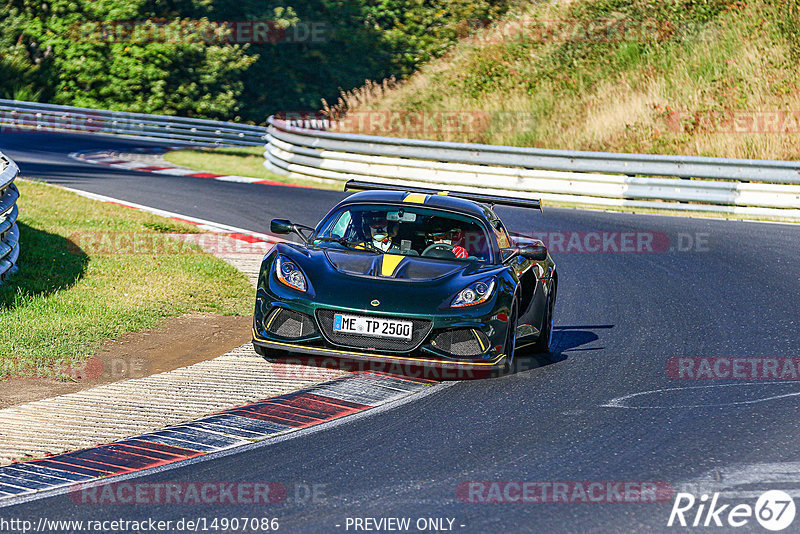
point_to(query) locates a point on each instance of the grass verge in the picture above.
(239, 161)
(693, 77)
(91, 271)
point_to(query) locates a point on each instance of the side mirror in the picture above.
(281, 226)
(285, 226)
(507, 254)
(533, 252)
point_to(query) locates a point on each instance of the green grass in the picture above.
(91, 271)
(240, 161)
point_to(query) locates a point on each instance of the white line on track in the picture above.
(621, 402)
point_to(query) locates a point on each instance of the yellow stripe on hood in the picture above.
(390, 263)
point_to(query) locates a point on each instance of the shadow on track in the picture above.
(565, 338)
(571, 337)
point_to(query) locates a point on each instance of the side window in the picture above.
(503, 240)
(340, 228)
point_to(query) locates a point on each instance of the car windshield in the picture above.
(410, 231)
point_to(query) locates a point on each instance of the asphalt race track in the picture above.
(715, 289)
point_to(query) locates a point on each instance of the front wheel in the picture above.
(546, 333)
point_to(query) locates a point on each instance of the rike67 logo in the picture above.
(774, 510)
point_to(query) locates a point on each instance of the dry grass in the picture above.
(691, 95)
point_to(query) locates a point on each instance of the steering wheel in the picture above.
(444, 247)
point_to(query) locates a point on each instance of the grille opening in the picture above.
(289, 324)
(461, 342)
(420, 331)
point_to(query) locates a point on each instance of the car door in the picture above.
(523, 270)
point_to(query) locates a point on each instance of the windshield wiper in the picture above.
(348, 243)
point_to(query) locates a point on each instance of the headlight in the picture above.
(290, 274)
(476, 293)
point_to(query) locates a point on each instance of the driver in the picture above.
(380, 232)
(450, 240)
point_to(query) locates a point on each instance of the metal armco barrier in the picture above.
(178, 130)
(9, 231)
(307, 150)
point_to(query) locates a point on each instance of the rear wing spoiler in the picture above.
(357, 185)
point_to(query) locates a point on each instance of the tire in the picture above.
(542, 344)
(511, 340)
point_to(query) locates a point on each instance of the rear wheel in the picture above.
(511, 339)
(546, 333)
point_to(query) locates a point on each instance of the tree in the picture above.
(116, 55)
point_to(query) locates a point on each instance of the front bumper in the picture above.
(393, 360)
(487, 334)
(447, 338)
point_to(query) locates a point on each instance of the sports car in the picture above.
(407, 276)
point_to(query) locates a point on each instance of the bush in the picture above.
(56, 52)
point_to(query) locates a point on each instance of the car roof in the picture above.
(459, 205)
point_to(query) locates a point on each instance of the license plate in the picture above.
(372, 326)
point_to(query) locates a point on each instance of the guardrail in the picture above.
(306, 149)
(9, 231)
(177, 130)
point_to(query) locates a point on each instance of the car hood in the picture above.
(394, 266)
(403, 284)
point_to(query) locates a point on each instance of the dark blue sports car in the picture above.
(410, 276)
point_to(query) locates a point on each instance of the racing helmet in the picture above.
(375, 226)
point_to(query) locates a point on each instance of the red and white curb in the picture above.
(152, 422)
(121, 161)
(225, 430)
